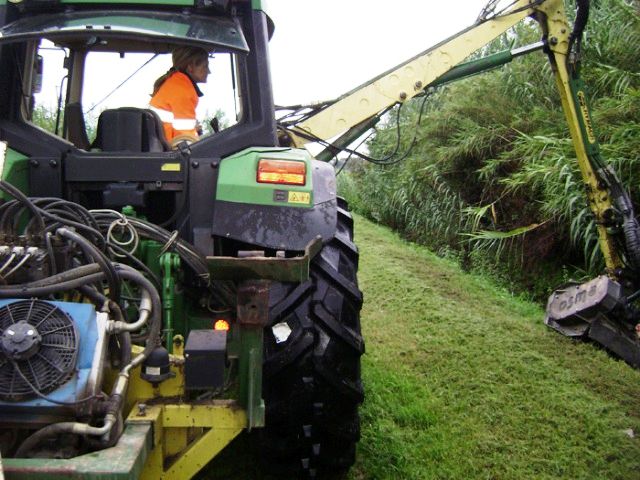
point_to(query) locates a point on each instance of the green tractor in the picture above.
(158, 301)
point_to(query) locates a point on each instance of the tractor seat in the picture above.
(129, 129)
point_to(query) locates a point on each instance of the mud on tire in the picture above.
(311, 382)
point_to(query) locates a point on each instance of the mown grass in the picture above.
(463, 381)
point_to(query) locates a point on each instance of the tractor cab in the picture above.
(79, 79)
(81, 67)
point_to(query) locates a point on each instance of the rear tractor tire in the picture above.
(311, 374)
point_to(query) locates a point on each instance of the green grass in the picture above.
(464, 381)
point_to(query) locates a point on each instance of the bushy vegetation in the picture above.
(492, 178)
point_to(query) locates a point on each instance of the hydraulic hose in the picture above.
(155, 318)
(26, 291)
(92, 252)
(630, 226)
(106, 305)
(11, 211)
(123, 344)
(18, 195)
(124, 339)
(631, 231)
(65, 427)
(582, 16)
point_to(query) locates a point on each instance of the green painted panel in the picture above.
(15, 170)
(125, 461)
(137, 2)
(136, 22)
(237, 179)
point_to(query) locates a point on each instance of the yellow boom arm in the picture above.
(410, 78)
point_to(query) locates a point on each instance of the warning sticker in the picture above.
(299, 197)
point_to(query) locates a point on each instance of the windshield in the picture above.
(117, 79)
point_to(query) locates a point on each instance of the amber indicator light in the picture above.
(283, 172)
(221, 325)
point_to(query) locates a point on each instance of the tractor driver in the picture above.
(176, 93)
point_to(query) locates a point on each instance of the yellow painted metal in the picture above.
(175, 441)
(188, 436)
(555, 23)
(200, 453)
(153, 467)
(408, 79)
(178, 345)
(219, 413)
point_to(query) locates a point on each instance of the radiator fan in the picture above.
(38, 349)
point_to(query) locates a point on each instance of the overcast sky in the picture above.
(320, 50)
(324, 48)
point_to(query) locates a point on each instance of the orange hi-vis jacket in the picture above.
(175, 103)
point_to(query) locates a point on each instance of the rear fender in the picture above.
(281, 217)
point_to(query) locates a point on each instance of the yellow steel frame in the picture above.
(554, 21)
(186, 436)
(406, 80)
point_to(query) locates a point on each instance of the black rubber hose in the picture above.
(74, 273)
(100, 299)
(3, 209)
(18, 195)
(155, 322)
(93, 253)
(124, 339)
(632, 241)
(38, 436)
(582, 17)
(138, 263)
(6, 223)
(77, 225)
(23, 291)
(72, 210)
(51, 253)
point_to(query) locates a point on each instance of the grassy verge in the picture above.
(463, 381)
